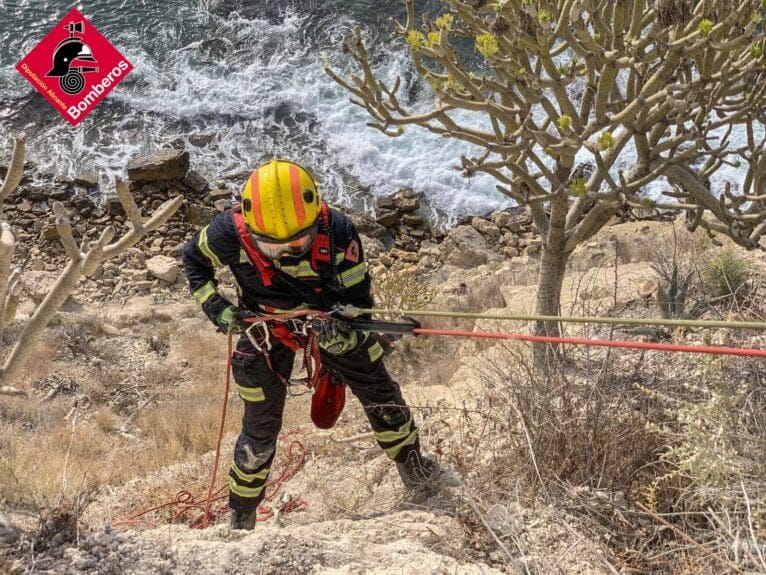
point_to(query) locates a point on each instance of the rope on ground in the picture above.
(185, 502)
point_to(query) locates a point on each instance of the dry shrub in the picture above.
(400, 289)
(578, 424)
(725, 273)
(610, 436)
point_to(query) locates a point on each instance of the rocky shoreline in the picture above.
(396, 236)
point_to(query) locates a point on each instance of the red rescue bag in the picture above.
(328, 401)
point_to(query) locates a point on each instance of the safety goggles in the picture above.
(294, 246)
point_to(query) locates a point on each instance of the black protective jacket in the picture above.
(296, 281)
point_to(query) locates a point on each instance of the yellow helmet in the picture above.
(280, 200)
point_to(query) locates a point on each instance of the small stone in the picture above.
(50, 233)
(175, 251)
(386, 260)
(142, 285)
(531, 250)
(219, 193)
(406, 256)
(60, 194)
(222, 204)
(50, 268)
(38, 265)
(501, 219)
(135, 275)
(511, 252)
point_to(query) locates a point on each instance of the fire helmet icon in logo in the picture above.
(71, 59)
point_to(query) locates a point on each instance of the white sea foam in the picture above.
(257, 88)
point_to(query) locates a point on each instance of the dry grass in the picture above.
(133, 416)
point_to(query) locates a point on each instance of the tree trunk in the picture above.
(552, 268)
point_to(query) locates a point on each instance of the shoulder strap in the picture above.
(261, 262)
(323, 253)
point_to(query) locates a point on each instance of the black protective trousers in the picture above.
(264, 396)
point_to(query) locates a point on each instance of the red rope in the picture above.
(715, 350)
(185, 502)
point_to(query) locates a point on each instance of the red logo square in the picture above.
(74, 67)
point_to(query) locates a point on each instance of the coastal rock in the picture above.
(198, 215)
(164, 268)
(406, 256)
(367, 226)
(89, 181)
(385, 203)
(160, 165)
(387, 218)
(465, 247)
(406, 201)
(485, 228)
(413, 220)
(195, 182)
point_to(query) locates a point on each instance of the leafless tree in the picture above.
(83, 261)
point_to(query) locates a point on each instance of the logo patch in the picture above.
(352, 253)
(74, 67)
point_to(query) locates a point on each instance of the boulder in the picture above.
(168, 164)
(413, 220)
(196, 182)
(387, 218)
(406, 201)
(501, 219)
(164, 268)
(406, 256)
(465, 247)
(485, 228)
(198, 215)
(88, 181)
(385, 203)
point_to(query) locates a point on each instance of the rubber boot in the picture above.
(242, 519)
(419, 473)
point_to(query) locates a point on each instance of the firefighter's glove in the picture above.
(337, 338)
(230, 320)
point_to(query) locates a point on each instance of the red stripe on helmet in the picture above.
(255, 192)
(295, 183)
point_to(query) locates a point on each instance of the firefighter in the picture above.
(288, 250)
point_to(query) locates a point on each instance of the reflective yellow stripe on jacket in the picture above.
(354, 275)
(204, 293)
(204, 247)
